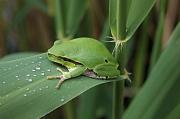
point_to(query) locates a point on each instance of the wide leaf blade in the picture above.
(26, 93)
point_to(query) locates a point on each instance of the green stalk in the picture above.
(69, 110)
(141, 56)
(59, 20)
(119, 52)
(158, 37)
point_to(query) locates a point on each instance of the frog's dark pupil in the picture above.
(106, 60)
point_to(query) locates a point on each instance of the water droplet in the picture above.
(16, 65)
(62, 99)
(18, 79)
(28, 75)
(32, 62)
(25, 95)
(17, 76)
(48, 70)
(30, 80)
(33, 70)
(40, 57)
(3, 82)
(5, 69)
(47, 87)
(40, 62)
(38, 68)
(34, 75)
(27, 88)
(40, 88)
(42, 74)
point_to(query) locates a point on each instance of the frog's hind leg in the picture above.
(62, 77)
(72, 72)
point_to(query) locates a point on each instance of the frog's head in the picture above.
(108, 69)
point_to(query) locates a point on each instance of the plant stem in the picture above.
(157, 47)
(118, 87)
(120, 52)
(141, 56)
(69, 111)
(59, 19)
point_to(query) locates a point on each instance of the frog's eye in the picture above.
(106, 60)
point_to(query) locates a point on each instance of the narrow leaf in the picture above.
(75, 12)
(159, 97)
(138, 10)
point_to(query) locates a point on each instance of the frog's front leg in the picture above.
(72, 72)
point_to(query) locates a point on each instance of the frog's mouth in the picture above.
(63, 60)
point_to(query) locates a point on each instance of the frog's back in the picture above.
(87, 51)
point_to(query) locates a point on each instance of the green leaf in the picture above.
(160, 98)
(26, 93)
(138, 11)
(20, 55)
(117, 18)
(75, 12)
(68, 16)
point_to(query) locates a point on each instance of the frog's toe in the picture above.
(54, 77)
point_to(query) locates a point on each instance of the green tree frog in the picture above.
(83, 56)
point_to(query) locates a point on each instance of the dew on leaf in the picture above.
(33, 70)
(17, 76)
(34, 75)
(62, 99)
(42, 74)
(3, 82)
(30, 80)
(25, 95)
(40, 57)
(28, 75)
(49, 70)
(38, 68)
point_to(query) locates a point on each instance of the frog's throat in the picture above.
(63, 61)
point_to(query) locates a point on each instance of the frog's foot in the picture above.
(62, 77)
(126, 75)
